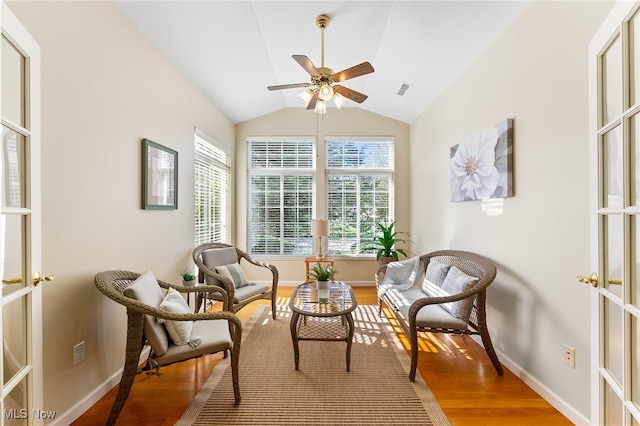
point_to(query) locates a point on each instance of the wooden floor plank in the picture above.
(459, 374)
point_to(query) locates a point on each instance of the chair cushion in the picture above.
(215, 338)
(434, 277)
(243, 293)
(234, 272)
(456, 282)
(146, 290)
(179, 331)
(434, 316)
(218, 257)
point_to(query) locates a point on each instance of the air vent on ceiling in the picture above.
(403, 89)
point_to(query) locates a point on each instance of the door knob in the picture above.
(591, 279)
(38, 278)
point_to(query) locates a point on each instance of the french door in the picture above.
(614, 68)
(21, 399)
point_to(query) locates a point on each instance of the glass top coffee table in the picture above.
(326, 320)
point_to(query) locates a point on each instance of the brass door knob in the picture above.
(38, 278)
(591, 279)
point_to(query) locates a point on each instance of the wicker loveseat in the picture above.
(439, 292)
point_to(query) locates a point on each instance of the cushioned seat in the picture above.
(164, 321)
(220, 265)
(446, 294)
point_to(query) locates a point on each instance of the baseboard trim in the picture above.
(101, 390)
(547, 394)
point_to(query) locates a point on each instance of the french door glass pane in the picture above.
(635, 360)
(613, 272)
(613, 340)
(635, 265)
(613, 404)
(11, 226)
(612, 79)
(14, 332)
(634, 134)
(12, 90)
(634, 63)
(15, 405)
(612, 161)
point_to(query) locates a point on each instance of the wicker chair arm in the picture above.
(274, 271)
(228, 288)
(381, 269)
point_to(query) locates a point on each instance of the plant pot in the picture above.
(189, 283)
(323, 290)
(385, 260)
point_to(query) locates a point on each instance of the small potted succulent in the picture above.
(188, 279)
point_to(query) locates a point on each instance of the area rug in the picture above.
(377, 390)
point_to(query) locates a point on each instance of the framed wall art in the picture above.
(159, 177)
(481, 167)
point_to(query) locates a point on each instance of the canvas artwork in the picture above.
(482, 166)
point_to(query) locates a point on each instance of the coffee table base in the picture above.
(327, 329)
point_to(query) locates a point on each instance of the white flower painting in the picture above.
(481, 166)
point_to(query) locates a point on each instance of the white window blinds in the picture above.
(281, 195)
(359, 191)
(212, 191)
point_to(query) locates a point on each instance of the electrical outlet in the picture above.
(78, 353)
(569, 356)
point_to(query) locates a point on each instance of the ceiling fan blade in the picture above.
(312, 101)
(307, 65)
(351, 94)
(355, 71)
(288, 86)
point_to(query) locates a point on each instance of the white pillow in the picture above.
(235, 273)
(458, 282)
(434, 277)
(179, 331)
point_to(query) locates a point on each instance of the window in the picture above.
(281, 177)
(212, 190)
(359, 191)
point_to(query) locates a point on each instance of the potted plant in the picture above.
(385, 244)
(188, 279)
(322, 274)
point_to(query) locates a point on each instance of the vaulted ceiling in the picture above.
(233, 50)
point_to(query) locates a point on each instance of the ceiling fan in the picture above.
(322, 87)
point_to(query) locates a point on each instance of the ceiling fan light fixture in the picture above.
(306, 96)
(339, 100)
(325, 92)
(321, 107)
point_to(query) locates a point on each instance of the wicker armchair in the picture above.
(218, 331)
(210, 257)
(416, 311)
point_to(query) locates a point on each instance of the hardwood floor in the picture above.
(459, 374)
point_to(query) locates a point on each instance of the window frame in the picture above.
(220, 162)
(297, 170)
(363, 237)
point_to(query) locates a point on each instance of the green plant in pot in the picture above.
(323, 275)
(188, 279)
(385, 244)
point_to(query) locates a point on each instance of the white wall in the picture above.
(104, 88)
(536, 73)
(346, 122)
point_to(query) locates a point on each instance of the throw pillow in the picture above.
(179, 331)
(235, 273)
(434, 277)
(457, 282)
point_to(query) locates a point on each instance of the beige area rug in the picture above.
(375, 391)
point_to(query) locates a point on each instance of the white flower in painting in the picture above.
(473, 172)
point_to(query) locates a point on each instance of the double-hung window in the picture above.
(281, 177)
(212, 191)
(360, 191)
